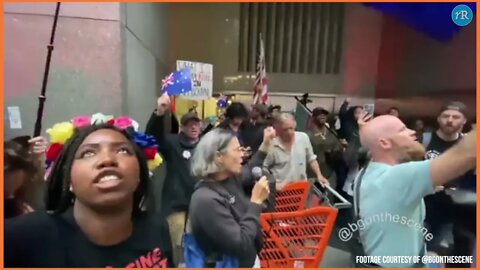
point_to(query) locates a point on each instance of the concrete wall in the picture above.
(111, 57)
(417, 73)
(212, 36)
(144, 48)
(85, 72)
(382, 59)
(144, 39)
(363, 28)
(108, 57)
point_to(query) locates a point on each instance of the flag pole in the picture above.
(258, 72)
(42, 98)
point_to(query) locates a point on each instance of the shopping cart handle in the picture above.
(344, 203)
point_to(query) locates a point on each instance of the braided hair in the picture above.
(59, 197)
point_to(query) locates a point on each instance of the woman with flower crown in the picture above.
(97, 186)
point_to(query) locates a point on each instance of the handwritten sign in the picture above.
(202, 78)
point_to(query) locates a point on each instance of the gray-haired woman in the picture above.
(223, 220)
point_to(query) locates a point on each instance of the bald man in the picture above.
(391, 191)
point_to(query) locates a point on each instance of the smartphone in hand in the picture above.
(369, 108)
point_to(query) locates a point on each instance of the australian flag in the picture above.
(178, 82)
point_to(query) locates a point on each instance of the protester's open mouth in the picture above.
(108, 179)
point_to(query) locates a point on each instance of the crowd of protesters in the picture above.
(209, 189)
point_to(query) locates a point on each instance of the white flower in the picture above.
(100, 118)
(135, 125)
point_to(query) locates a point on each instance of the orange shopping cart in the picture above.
(296, 239)
(298, 195)
(293, 197)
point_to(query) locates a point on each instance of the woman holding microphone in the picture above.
(223, 219)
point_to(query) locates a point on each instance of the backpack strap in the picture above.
(356, 191)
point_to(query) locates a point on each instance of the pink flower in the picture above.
(123, 122)
(81, 121)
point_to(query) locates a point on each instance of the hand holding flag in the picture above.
(163, 104)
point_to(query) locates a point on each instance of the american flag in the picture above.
(260, 89)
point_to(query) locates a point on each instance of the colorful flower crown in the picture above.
(60, 133)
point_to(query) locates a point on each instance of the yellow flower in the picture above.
(61, 132)
(154, 163)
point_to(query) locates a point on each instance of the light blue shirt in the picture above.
(392, 209)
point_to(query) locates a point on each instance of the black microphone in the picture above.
(269, 204)
(258, 172)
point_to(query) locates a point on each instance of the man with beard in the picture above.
(252, 130)
(252, 134)
(390, 188)
(177, 149)
(451, 121)
(326, 145)
(441, 210)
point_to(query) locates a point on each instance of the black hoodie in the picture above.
(177, 151)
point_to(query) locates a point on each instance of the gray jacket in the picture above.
(228, 225)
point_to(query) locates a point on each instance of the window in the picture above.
(301, 38)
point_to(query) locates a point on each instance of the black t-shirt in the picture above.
(42, 240)
(438, 146)
(12, 208)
